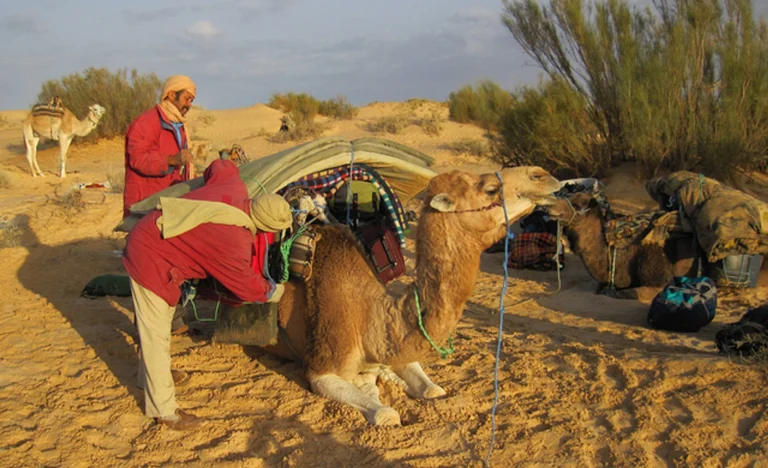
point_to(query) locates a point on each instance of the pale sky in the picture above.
(240, 52)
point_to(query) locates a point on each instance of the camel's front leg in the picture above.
(64, 143)
(417, 384)
(334, 387)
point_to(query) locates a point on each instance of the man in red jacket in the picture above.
(207, 232)
(156, 143)
(156, 150)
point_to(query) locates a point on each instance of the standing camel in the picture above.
(62, 126)
(348, 329)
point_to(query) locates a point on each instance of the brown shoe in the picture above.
(180, 331)
(186, 421)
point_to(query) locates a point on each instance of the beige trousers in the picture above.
(153, 319)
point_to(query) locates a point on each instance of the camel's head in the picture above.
(96, 112)
(568, 208)
(476, 200)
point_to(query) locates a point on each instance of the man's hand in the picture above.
(179, 159)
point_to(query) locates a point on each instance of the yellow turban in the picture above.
(271, 213)
(178, 83)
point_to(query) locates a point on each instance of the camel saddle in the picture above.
(653, 227)
(44, 110)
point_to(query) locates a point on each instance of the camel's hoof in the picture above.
(434, 391)
(386, 417)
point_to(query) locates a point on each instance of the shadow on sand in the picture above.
(58, 273)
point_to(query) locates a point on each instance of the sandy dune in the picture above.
(583, 381)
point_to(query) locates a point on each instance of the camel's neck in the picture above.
(85, 126)
(447, 265)
(587, 239)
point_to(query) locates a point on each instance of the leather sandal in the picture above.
(185, 422)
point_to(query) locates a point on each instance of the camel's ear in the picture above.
(443, 202)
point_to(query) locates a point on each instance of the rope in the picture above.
(444, 352)
(266, 192)
(509, 236)
(215, 312)
(557, 253)
(612, 265)
(285, 251)
(349, 185)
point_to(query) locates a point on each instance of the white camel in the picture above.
(61, 125)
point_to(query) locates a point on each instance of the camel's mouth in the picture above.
(544, 200)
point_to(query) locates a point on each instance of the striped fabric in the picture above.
(331, 180)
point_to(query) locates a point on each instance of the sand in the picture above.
(582, 380)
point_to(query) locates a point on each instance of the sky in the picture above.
(240, 52)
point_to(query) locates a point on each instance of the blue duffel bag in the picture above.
(684, 305)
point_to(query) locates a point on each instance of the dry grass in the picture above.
(10, 234)
(207, 120)
(393, 124)
(4, 122)
(6, 182)
(432, 124)
(116, 180)
(469, 146)
(303, 131)
(69, 204)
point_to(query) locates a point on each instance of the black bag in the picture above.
(684, 305)
(747, 336)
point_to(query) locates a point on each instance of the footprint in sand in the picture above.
(612, 376)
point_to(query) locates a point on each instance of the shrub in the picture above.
(550, 127)
(482, 106)
(469, 146)
(301, 107)
(337, 108)
(681, 87)
(433, 124)
(303, 130)
(124, 97)
(394, 123)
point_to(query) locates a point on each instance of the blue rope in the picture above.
(508, 237)
(349, 185)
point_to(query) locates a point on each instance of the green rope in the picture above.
(260, 184)
(215, 312)
(285, 252)
(444, 352)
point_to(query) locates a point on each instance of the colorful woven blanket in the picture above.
(328, 182)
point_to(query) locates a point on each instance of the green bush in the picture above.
(337, 108)
(550, 127)
(302, 107)
(681, 87)
(483, 105)
(125, 96)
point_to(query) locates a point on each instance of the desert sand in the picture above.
(583, 381)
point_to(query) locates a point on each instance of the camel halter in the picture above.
(497, 204)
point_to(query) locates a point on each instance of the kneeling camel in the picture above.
(636, 265)
(349, 330)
